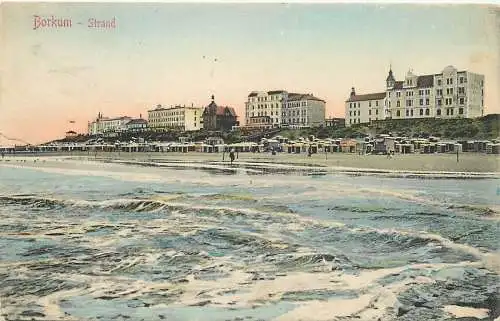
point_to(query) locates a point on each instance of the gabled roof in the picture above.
(219, 110)
(252, 94)
(274, 92)
(375, 96)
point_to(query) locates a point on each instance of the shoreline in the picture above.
(416, 165)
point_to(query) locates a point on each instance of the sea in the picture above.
(87, 240)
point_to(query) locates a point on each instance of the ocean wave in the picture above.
(136, 205)
(477, 209)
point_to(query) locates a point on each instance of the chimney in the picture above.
(353, 92)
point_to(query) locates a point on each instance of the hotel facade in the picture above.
(265, 109)
(103, 124)
(179, 117)
(449, 94)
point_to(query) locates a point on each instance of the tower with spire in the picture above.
(390, 80)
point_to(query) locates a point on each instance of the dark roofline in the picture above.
(367, 97)
(272, 92)
(295, 96)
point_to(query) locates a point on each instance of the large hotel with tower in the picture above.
(449, 94)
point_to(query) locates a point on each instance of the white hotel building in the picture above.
(103, 124)
(278, 107)
(449, 94)
(180, 117)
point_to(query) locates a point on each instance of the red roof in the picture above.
(220, 110)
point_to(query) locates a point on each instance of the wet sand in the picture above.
(468, 162)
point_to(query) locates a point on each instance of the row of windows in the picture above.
(296, 121)
(449, 112)
(449, 81)
(167, 113)
(423, 92)
(253, 99)
(292, 104)
(289, 113)
(448, 101)
(297, 104)
(354, 105)
(159, 120)
(264, 106)
(351, 113)
(260, 120)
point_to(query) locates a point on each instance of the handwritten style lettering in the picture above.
(51, 22)
(102, 24)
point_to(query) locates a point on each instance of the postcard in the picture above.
(249, 161)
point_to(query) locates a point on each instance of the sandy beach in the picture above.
(467, 162)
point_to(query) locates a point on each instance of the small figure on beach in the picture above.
(231, 155)
(3, 154)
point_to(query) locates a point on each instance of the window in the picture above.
(411, 112)
(421, 92)
(461, 90)
(421, 112)
(398, 104)
(376, 112)
(439, 92)
(427, 101)
(449, 91)
(398, 113)
(407, 113)
(369, 112)
(461, 80)
(409, 103)
(447, 111)
(440, 102)
(462, 101)
(421, 102)
(376, 103)
(438, 112)
(461, 111)
(427, 91)
(398, 94)
(359, 105)
(427, 111)
(439, 82)
(451, 111)
(369, 104)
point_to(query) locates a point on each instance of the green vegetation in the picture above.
(487, 127)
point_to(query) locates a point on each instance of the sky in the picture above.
(182, 53)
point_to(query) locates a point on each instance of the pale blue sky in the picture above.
(156, 55)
